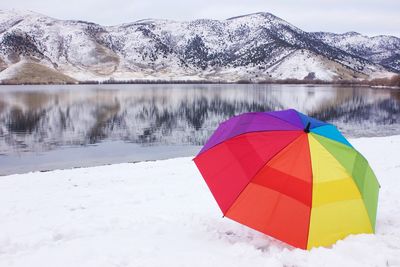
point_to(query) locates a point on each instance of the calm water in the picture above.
(47, 127)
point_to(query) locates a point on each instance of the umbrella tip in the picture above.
(307, 129)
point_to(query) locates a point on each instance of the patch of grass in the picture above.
(33, 73)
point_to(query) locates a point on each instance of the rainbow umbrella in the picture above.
(290, 176)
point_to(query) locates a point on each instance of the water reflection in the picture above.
(40, 118)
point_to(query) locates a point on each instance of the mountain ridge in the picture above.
(255, 47)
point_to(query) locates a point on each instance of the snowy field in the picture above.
(162, 214)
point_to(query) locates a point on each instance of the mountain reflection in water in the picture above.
(41, 118)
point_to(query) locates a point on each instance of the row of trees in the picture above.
(394, 81)
(384, 82)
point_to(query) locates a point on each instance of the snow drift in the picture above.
(162, 214)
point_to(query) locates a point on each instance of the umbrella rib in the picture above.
(259, 171)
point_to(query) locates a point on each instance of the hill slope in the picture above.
(258, 46)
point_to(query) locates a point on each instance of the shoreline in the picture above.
(51, 160)
(133, 159)
(392, 83)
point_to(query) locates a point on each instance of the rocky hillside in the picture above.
(383, 50)
(254, 47)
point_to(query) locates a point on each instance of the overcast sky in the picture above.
(370, 17)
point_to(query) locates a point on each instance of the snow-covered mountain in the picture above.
(257, 47)
(383, 50)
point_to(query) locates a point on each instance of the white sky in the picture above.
(370, 17)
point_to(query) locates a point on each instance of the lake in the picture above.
(50, 127)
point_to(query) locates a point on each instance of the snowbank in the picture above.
(162, 214)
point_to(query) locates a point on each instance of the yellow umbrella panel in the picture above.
(344, 193)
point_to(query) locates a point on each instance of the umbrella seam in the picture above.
(312, 188)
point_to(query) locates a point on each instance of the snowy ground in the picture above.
(162, 214)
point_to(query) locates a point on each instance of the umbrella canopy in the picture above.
(290, 176)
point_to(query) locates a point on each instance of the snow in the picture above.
(301, 63)
(162, 214)
(377, 49)
(245, 47)
(11, 71)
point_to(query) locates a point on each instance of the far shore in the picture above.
(393, 82)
